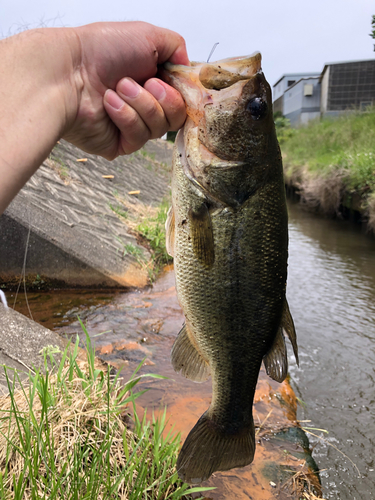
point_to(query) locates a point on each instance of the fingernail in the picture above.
(113, 99)
(156, 89)
(128, 87)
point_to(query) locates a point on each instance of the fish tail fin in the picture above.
(208, 449)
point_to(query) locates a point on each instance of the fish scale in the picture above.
(227, 231)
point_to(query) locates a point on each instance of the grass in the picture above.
(117, 209)
(339, 151)
(346, 144)
(148, 223)
(59, 165)
(152, 228)
(65, 435)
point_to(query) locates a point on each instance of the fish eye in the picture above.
(257, 107)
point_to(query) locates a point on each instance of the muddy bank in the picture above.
(328, 196)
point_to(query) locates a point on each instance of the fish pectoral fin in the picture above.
(276, 359)
(170, 232)
(209, 448)
(202, 235)
(287, 325)
(187, 359)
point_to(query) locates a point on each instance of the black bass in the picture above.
(228, 233)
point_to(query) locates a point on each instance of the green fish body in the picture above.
(227, 231)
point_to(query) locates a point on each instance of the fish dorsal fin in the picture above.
(276, 359)
(170, 232)
(187, 359)
(202, 235)
(288, 326)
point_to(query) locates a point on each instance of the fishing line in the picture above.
(212, 50)
(23, 273)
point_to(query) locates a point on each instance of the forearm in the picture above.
(39, 95)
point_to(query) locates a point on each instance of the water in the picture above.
(331, 292)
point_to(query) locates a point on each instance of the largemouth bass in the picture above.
(227, 231)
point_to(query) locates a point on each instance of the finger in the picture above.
(145, 104)
(170, 46)
(133, 131)
(170, 100)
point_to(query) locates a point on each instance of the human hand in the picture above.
(120, 105)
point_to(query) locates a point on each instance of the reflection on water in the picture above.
(331, 292)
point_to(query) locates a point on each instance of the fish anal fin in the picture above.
(187, 359)
(276, 359)
(287, 324)
(170, 232)
(209, 448)
(202, 235)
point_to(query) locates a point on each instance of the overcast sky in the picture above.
(292, 35)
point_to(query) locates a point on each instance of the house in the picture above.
(340, 87)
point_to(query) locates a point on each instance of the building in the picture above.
(340, 87)
(302, 101)
(283, 84)
(347, 85)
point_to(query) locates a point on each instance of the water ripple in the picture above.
(331, 294)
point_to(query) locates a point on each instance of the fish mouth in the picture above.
(217, 75)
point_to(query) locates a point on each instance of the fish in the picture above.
(227, 230)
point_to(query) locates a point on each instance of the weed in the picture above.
(117, 209)
(63, 434)
(146, 154)
(153, 229)
(346, 144)
(58, 164)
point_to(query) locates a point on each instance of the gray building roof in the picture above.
(341, 62)
(296, 74)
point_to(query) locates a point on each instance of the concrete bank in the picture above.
(21, 344)
(67, 227)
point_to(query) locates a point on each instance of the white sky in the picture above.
(292, 35)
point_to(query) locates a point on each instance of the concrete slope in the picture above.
(66, 217)
(21, 344)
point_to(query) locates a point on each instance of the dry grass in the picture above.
(322, 193)
(304, 484)
(64, 435)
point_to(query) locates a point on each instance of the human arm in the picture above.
(60, 83)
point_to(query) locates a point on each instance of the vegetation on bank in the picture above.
(65, 434)
(332, 162)
(147, 222)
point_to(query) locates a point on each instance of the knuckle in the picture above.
(131, 119)
(151, 111)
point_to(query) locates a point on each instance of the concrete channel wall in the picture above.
(66, 218)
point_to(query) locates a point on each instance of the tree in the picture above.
(372, 34)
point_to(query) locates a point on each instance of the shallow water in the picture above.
(331, 293)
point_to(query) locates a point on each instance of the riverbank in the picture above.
(330, 164)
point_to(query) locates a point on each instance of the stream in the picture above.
(331, 293)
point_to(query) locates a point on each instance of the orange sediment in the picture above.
(277, 458)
